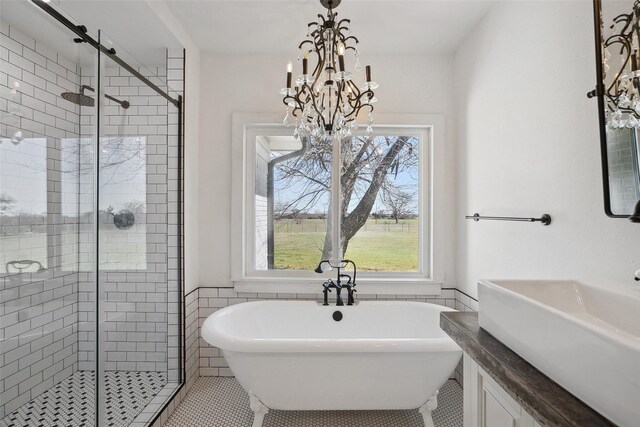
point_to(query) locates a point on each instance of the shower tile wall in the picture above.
(39, 221)
(134, 262)
(175, 82)
(192, 332)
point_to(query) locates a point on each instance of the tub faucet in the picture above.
(338, 284)
(326, 288)
(637, 275)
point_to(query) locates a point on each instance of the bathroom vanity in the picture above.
(503, 389)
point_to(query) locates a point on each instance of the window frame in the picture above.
(427, 281)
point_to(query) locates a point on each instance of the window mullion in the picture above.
(336, 211)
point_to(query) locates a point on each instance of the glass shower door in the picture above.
(136, 251)
(47, 245)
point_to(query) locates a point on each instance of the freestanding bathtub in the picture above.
(296, 355)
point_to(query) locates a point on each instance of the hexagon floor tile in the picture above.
(221, 402)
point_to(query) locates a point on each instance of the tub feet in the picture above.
(426, 409)
(259, 410)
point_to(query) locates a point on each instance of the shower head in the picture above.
(79, 98)
(319, 267)
(87, 101)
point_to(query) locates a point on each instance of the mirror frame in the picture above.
(598, 92)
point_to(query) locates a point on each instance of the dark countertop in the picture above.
(544, 399)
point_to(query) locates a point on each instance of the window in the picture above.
(23, 205)
(123, 202)
(383, 202)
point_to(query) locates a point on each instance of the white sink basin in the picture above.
(584, 336)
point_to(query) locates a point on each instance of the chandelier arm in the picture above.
(618, 38)
(369, 94)
(625, 18)
(355, 91)
(296, 101)
(365, 105)
(354, 88)
(304, 42)
(321, 116)
(626, 46)
(317, 72)
(313, 100)
(360, 105)
(628, 110)
(351, 37)
(338, 99)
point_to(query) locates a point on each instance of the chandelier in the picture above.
(622, 95)
(325, 101)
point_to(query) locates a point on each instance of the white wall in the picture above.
(250, 83)
(528, 144)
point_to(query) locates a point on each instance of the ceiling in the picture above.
(277, 26)
(248, 26)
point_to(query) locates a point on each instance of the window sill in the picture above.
(367, 286)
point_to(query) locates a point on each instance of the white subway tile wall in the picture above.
(192, 367)
(39, 219)
(47, 317)
(175, 83)
(140, 265)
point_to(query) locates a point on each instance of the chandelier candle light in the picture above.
(326, 102)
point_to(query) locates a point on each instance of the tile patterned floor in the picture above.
(221, 402)
(71, 402)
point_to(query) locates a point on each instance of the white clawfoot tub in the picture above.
(293, 355)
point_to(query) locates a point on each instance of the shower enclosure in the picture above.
(90, 225)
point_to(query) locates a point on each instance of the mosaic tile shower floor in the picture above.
(221, 402)
(71, 402)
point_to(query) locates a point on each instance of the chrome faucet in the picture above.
(637, 276)
(338, 284)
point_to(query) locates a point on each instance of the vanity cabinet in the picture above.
(486, 404)
(503, 389)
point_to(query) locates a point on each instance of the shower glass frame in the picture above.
(90, 265)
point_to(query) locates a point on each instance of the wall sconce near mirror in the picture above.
(617, 41)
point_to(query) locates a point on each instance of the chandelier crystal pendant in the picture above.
(325, 101)
(622, 93)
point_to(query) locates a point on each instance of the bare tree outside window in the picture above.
(378, 174)
(398, 203)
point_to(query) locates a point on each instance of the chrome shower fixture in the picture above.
(87, 101)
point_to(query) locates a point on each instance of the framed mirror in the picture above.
(617, 37)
